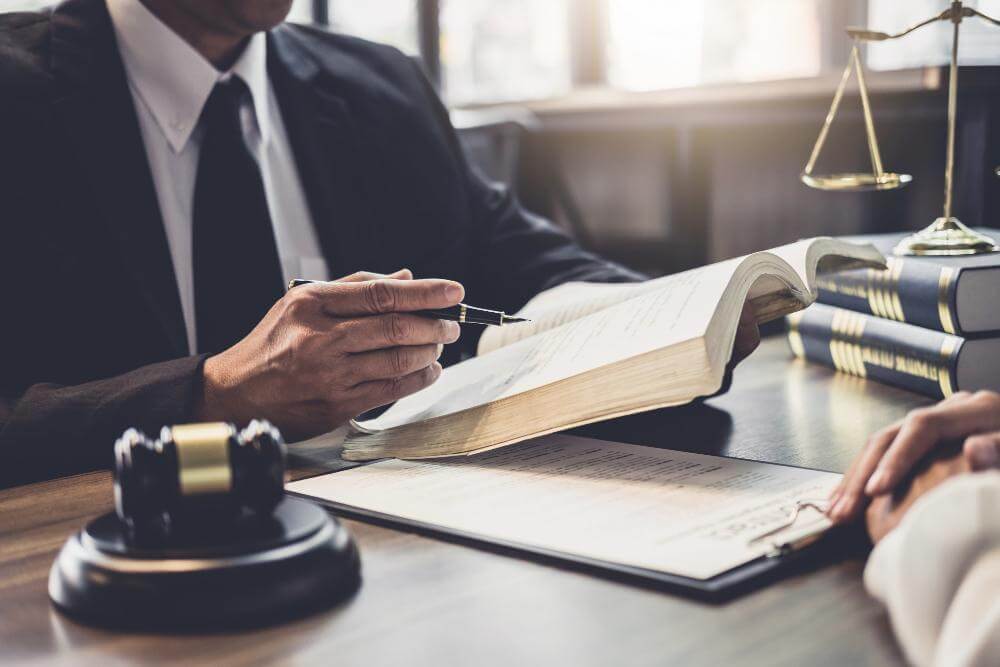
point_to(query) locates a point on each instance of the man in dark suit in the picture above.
(166, 165)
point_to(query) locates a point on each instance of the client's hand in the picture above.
(327, 352)
(891, 454)
(887, 510)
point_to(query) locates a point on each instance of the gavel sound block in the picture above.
(202, 538)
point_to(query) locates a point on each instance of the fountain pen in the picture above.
(462, 313)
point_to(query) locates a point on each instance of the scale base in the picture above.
(946, 236)
(251, 572)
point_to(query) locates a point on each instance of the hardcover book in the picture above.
(925, 361)
(597, 351)
(956, 295)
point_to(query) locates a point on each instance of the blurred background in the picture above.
(668, 133)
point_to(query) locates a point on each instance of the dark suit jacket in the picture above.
(92, 338)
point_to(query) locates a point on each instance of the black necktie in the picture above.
(237, 273)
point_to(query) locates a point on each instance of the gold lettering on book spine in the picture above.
(885, 299)
(944, 302)
(850, 355)
(858, 330)
(948, 348)
(845, 351)
(874, 295)
(883, 291)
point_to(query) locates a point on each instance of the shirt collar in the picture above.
(173, 79)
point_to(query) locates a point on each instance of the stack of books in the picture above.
(927, 324)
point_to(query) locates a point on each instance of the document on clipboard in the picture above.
(659, 513)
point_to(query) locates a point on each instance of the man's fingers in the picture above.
(388, 295)
(396, 330)
(381, 392)
(848, 498)
(982, 451)
(924, 428)
(361, 276)
(393, 362)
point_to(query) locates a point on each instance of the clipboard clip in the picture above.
(780, 548)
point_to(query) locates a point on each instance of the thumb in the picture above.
(361, 276)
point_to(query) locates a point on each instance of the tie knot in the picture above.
(225, 100)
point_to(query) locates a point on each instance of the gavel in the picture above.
(196, 474)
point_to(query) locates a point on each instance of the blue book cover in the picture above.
(925, 361)
(957, 295)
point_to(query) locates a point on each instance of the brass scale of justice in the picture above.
(946, 235)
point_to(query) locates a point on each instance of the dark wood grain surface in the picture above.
(429, 602)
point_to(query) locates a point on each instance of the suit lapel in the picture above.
(97, 111)
(324, 141)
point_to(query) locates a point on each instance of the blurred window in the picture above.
(978, 43)
(672, 43)
(387, 21)
(501, 50)
(24, 5)
(302, 11)
(513, 50)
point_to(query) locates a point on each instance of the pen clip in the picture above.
(779, 548)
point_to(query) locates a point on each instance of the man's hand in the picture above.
(887, 510)
(327, 352)
(891, 454)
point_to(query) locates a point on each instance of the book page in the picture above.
(797, 256)
(564, 303)
(680, 311)
(571, 301)
(825, 254)
(686, 514)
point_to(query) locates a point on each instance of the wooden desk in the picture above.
(429, 602)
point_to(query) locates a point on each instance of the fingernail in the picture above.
(985, 457)
(440, 350)
(454, 291)
(834, 497)
(436, 370)
(453, 330)
(875, 484)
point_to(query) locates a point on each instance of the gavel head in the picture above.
(195, 473)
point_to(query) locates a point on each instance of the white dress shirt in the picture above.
(938, 573)
(170, 83)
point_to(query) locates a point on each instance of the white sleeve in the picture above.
(938, 573)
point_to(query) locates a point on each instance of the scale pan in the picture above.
(856, 182)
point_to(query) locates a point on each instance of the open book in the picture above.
(596, 351)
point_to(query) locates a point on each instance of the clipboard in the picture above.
(803, 552)
(789, 560)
